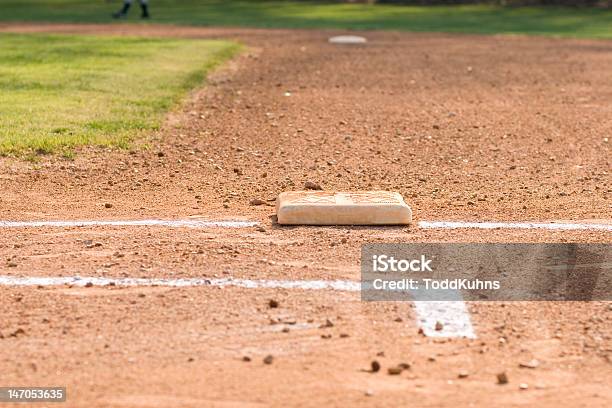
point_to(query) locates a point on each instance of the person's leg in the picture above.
(123, 12)
(144, 5)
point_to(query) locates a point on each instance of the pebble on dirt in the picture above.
(439, 326)
(310, 185)
(328, 323)
(502, 378)
(257, 201)
(530, 364)
(374, 366)
(108, 205)
(463, 374)
(17, 332)
(395, 370)
(268, 359)
(246, 358)
(273, 304)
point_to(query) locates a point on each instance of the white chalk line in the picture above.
(562, 226)
(453, 315)
(559, 226)
(129, 223)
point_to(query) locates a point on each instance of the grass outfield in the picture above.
(574, 22)
(58, 92)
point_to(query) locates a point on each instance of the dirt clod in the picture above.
(394, 370)
(328, 323)
(17, 332)
(530, 364)
(502, 378)
(310, 185)
(268, 359)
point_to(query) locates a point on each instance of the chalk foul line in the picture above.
(453, 315)
(129, 223)
(559, 226)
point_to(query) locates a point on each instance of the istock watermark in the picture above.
(499, 272)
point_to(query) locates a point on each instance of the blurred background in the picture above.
(577, 18)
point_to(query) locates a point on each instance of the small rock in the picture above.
(404, 366)
(273, 304)
(502, 378)
(369, 393)
(374, 366)
(439, 326)
(394, 370)
(344, 335)
(309, 185)
(89, 284)
(17, 332)
(257, 201)
(160, 154)
(530, 364)
(328, 323)
(260, 229)
(463, 374)
(108, 205)
(11, 265)
(268, 359)
(246, 358)
(523, 386)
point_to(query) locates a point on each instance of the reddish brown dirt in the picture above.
(465, 127)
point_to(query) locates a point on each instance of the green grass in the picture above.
(573, 22)
(58, 92)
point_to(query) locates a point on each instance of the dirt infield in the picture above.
(467, 128)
